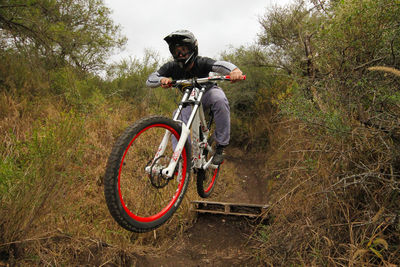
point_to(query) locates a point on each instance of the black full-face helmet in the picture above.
(183, 38)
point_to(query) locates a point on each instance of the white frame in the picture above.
(191, 97)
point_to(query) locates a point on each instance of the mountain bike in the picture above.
(148, 170)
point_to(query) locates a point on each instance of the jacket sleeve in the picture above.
(223, 67)
(165, 71)
(154, 80)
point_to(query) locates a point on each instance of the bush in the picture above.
(336, 178)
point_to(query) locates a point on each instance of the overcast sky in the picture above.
(218, 25)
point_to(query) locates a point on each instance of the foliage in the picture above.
(321, 102)
(339, 153)
(360, 35)
(76, 32)
(287, 37)
(34, 168)
(128, 77)
(253, 102)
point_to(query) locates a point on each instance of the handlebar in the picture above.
(204, 80)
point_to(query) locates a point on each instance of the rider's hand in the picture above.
(166, 82)
(236, 75)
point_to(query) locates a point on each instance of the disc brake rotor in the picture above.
(157, 179)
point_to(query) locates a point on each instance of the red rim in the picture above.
(178, 191)
(210, 186)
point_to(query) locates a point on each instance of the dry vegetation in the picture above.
(321, 104)
(53, 212)
(335, 201)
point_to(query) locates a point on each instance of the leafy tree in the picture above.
(287, 37)
(77, 32)
(358, 35)
(327, 47)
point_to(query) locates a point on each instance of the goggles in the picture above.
(181, 51)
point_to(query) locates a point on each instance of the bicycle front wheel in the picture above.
(138, 196)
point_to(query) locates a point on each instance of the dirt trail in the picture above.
(253, 185)
(221, 240)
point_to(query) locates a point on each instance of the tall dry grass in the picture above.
(335, 201)
(52, 204)
(335, 196)
(53, 210)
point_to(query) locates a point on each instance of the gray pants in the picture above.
(215, 99)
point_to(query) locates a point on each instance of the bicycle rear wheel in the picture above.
(206, 178)
(141, 200)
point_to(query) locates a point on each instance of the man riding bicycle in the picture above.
(188, 64)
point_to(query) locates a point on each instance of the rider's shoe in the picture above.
(218, 156)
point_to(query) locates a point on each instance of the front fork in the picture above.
(185, 132)
(169, 171)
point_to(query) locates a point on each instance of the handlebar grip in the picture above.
(228, 77)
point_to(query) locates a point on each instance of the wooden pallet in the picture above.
(236, 209)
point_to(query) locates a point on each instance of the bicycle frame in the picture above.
(191, 96)
(142, 198)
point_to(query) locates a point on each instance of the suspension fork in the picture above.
(164, 142)
(195, 96)
(185, 132)
(163, 145)
(191, 96)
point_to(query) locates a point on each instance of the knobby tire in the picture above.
(206, 179)
(138, 201)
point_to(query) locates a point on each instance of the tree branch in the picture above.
(369, 62)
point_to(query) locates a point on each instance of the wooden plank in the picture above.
(229, 203)
(225, 208)
(224, 213)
